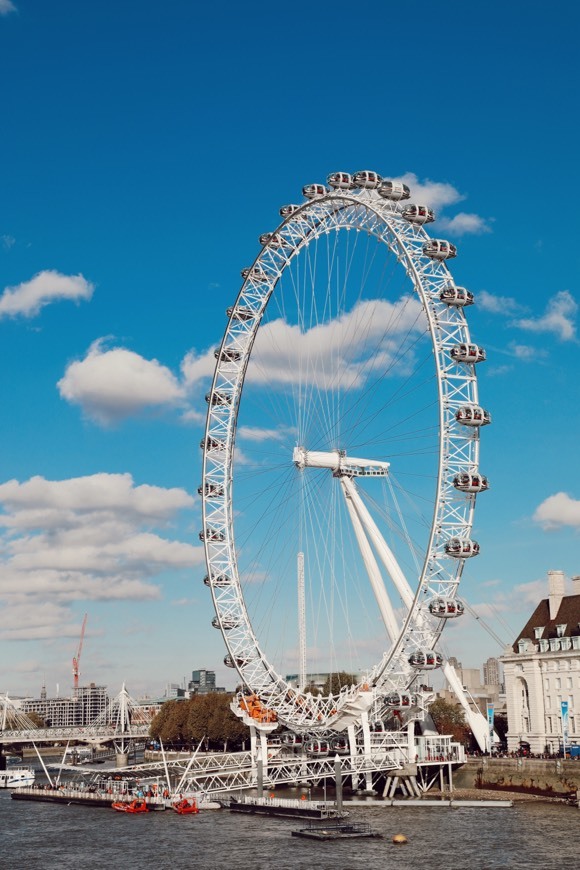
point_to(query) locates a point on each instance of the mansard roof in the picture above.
(568, 615)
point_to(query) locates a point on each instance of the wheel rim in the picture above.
(291, 258)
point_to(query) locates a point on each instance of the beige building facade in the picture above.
(542, 669)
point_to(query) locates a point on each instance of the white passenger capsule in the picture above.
(418, 214)
(398, 699)
(457, 296)
(274, 240)
(473, 415)
(312, 190)
(317, 747)
(211, 490)
(425, 660)
(367, 179)
(211, 534)
(467, 353)
(227, 623)
(339, 745)
(227, 354)
(394, 190)
(210, 443)
(340, 180)
(461, 548)
(240, 661)
(254, 273)
(220, 581)
(470, 481)
(240, 313)
(439, 249)
(288, 210)
(218, 399)
(446, 608)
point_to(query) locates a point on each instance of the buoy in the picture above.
(303, 797)
(399, 839)
(272, 794)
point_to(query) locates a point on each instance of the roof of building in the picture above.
(568, 615)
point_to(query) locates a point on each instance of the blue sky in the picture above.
(144, 148)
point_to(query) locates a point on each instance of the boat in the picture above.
(16, 777)
(185, 807)
(136, 806)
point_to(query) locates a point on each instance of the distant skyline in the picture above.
(144, 150)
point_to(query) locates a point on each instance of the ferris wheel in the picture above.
(341, 453)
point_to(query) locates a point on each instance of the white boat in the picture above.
(15, 777)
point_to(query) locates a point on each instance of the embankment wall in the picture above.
(551, 777)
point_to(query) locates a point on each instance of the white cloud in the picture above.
(336, 354)
(462, 224)
(253, 433)
(7, 6)
(558, 510)
(111, 385)
(526, 353)
(496, 304)
(87, 538)
(558, 318)
(28, 298)
(8, 241)
(436, 194)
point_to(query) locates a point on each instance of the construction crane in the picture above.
(77, 658)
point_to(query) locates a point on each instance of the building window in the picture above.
(538, 632)
(558, 683)
(548, 702)
(560, 629)
(547, 684)
(565, 643)
(544, 646)
(554, 644)
(568, 682)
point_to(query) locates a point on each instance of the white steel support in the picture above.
(301, 624)
(381, 546)
(383, 601)
(476, 720)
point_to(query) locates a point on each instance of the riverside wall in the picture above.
(550, 777)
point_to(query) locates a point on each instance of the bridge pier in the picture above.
(121, 759)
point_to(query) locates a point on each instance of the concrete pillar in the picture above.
(122, 759)
(338, 778)
(260, 780)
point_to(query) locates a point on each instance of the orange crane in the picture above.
(77, 658)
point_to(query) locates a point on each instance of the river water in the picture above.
(528, 835)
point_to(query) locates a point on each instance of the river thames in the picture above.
(530, 834)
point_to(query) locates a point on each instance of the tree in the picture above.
(335, 682)
(449, 719)
(202, 717)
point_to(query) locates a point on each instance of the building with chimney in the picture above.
(542, 669)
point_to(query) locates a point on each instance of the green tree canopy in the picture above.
(449, 719)
(335, 682)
